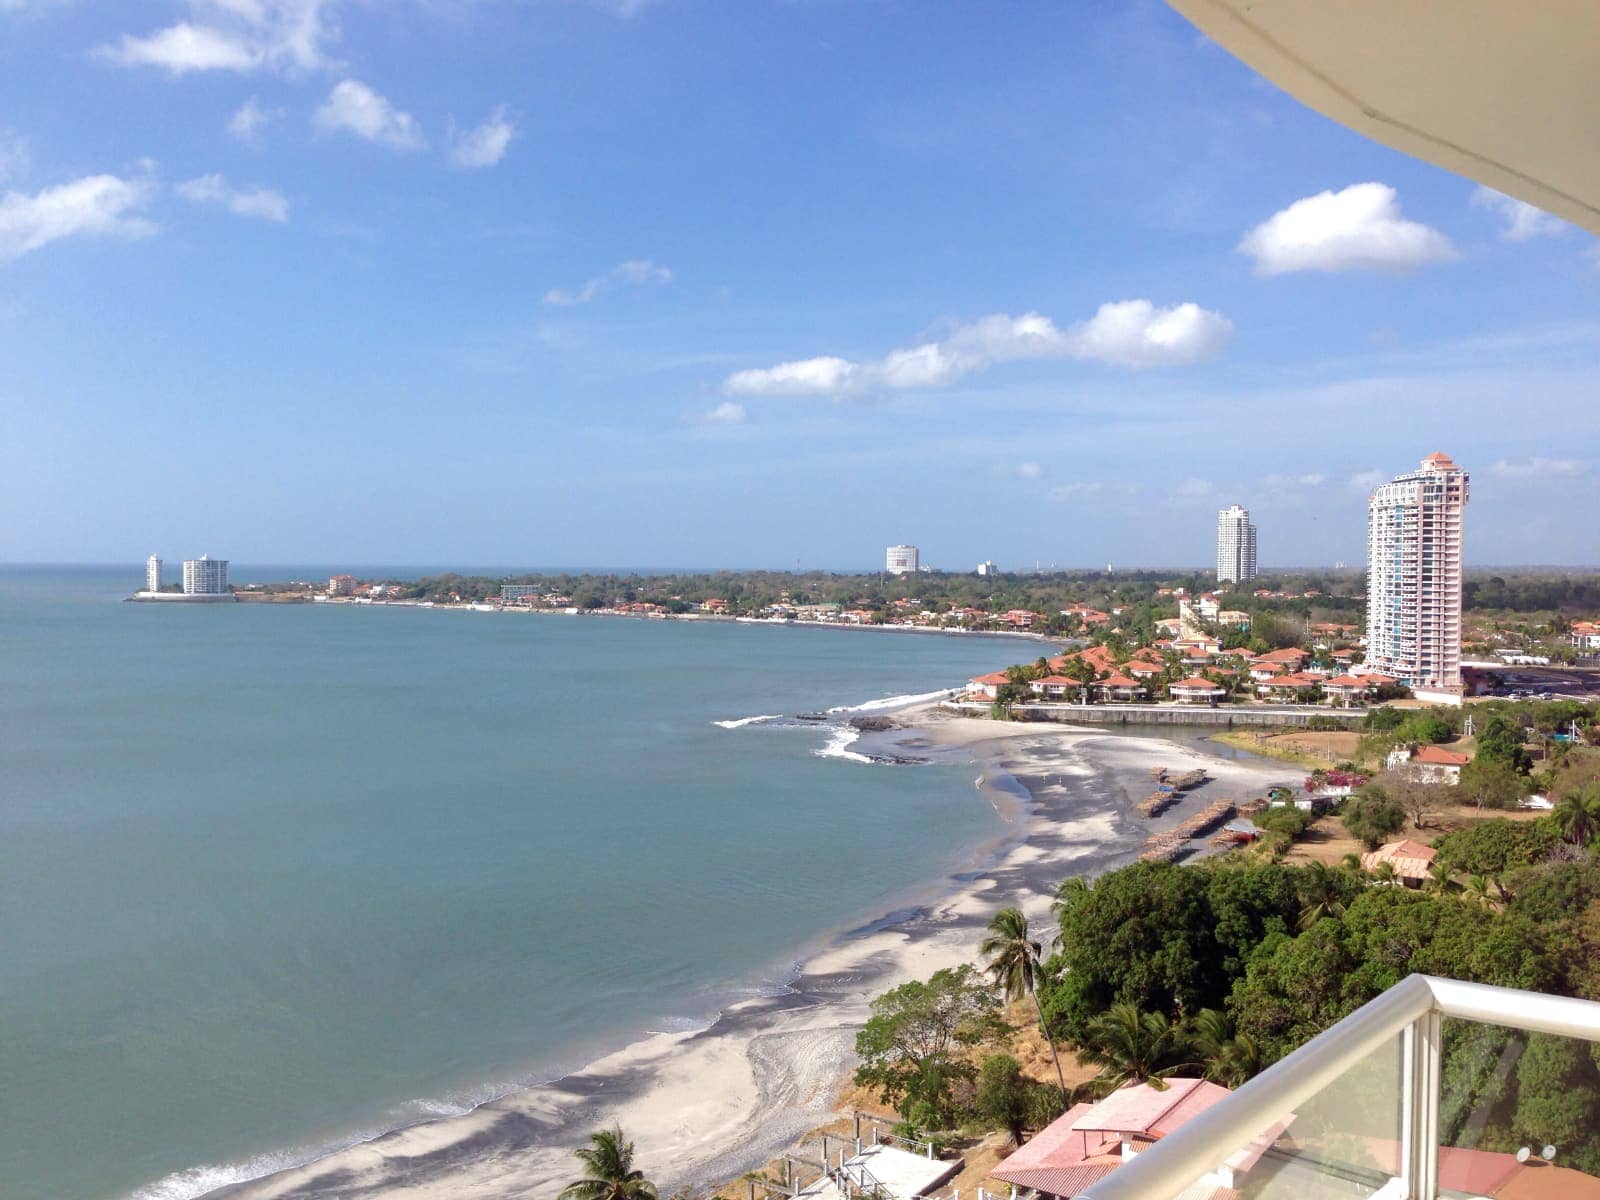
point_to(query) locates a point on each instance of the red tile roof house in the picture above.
(988, 685)
(1056, 687)
(1349, 688)
(1290, 656)
(1410, 860)
(1263, 671)
(1119, 687)
(1196, 690)
(1089, 1141)
(1290, 687)
(1142, 670)
(1429, 764)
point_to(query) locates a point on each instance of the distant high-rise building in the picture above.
(205, 576)
(1414, 579)
(1236, 545)
(152, 573)
(987, 568)
(901, 560)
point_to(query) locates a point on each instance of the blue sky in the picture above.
(766, 283)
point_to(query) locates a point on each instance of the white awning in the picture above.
(1504, 93)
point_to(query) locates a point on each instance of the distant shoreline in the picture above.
(251, 597)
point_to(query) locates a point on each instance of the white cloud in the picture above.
(1285, 482)
(353, 107)
(635, 271)
(96, 206)
(244, 202)
(1538, 468)
(1193, 489)
(1134, 333)
(1128, 333)
(1030, 470)
(247, 123)
(232, 35)
(808, 376)
(1365, 481)
(485, 145)
(1078, 490)
(1523, 221)
(727, 413)
(1357, 228)
(14, 156)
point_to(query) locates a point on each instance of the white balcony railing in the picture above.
(1356, 1111)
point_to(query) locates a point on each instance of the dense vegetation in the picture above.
(1223, 967)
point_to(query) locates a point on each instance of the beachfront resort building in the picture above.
(1236, 545)
(205, 576)
(1414, 579)
(342, 585)
(518, 593)
(902, 560)
(152, 573)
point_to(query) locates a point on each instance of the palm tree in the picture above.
(1323, 893)
(1068, 893)
(1352, 862)
(1384, 872)
(1577, 814)
(611, 1173)
(1130, 1046)
(1477, 889)
(1013, 963)
(1438, 879)
(1230, 1058)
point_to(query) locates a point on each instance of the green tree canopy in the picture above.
(1372, 817)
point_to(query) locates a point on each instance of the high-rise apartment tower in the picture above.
(1414, 579)
(152, 573)
(205, 576)
(1236, 545)
(901, 560)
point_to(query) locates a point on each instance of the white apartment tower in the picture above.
(901, 560)
(152, 573)
(1414, 579)
(1236, 545)
(205, 576)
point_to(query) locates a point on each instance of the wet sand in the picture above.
(703, 1107)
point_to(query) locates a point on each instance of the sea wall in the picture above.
(1223, 716)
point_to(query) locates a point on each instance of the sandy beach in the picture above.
(705, 1106)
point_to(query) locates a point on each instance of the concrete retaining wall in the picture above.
(1223, 716)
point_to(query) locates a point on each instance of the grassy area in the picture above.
(1310, 750)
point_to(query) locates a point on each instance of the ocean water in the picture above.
(274, 878)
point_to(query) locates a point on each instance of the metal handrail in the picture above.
(1174, 1163)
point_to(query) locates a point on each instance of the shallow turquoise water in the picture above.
(272, 877)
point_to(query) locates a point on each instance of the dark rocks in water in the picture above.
(811, 716)
(872, 724)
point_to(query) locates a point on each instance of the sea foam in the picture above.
(891, 702)
(838, 746)
(740, 722)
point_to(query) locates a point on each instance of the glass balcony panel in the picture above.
(1343, 1142)
(1503, 1091)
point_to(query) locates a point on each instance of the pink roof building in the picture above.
(1089, 1141)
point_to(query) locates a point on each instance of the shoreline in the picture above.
(706, 1105)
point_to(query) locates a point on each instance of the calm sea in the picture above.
(272, 878)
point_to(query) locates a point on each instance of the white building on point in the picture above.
(205, 576)
(902, 560)
(152, 573)
(1414, 579)
(1236, 545)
